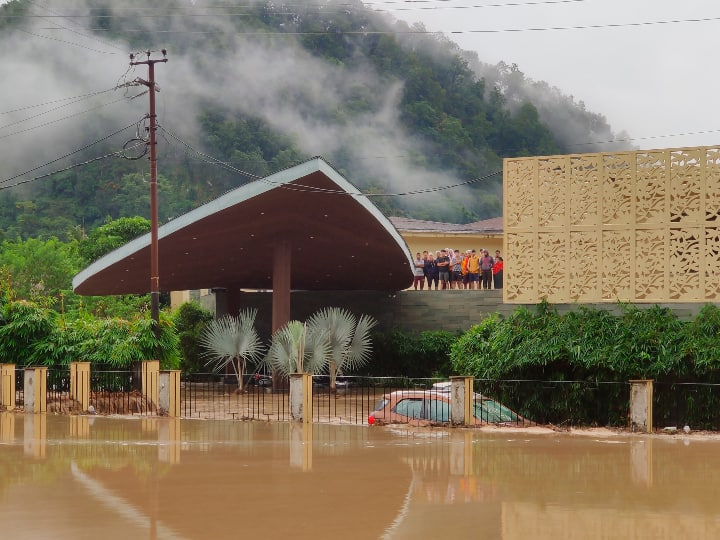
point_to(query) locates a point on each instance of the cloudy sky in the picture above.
(647, 65)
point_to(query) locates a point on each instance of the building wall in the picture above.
(638, 226)
(452, 310)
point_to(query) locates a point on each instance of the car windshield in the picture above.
(381, 404)
(493, 412)
(435, 410)
(410, 407)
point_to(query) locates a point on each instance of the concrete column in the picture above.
(80, 384)
(461, 400)
(281, 285)
(301, 408)
(35, 389)
(641, 407)
(169, 395)
(150, 382)
(7, 386)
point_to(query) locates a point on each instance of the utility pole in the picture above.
(154, 259)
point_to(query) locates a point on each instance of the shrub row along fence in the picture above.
(213, 396)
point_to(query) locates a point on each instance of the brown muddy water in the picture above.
(104, 478)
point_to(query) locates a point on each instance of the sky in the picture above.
(650, 79)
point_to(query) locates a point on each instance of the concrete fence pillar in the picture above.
(461, 400)
(7, 386)
(301, 408)
(641, 406)
(150, 381)
(35, 389)
(169, 393)
(80, 384)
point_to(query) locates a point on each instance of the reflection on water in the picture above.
(94, 477)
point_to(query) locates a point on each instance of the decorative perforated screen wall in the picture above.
(639, 226)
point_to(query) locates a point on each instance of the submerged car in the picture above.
(427, 407)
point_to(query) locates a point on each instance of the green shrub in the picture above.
(190, 320)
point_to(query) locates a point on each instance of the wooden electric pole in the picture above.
(154, 259)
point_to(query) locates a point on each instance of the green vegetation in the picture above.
(585, 358)
(416, 355)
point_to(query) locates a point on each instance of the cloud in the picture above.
(271, 78)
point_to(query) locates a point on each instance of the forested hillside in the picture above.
(250, 89)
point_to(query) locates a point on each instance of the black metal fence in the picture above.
(355, 398)
(213, 396)
(560, 403)
(696, 405)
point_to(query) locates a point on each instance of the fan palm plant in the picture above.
(297, 347)
(347, 339)
(232, 341)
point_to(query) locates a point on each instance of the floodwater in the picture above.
(80, 477)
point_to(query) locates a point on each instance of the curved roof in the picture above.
(339, 241)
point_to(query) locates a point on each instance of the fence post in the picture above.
(641, 398)
(35, 389)
(7, 386)
(301, 397)
(80, 384)
(169, 394)
(461, 400)
(150, 386)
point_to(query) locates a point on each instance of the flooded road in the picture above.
(110, 478)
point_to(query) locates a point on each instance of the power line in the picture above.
(207, 158)
(61, 157)
(79, 98)
(70, 29)
(63, 118)
(63, 41)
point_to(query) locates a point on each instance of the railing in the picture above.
(561, 403)
(696, 405)
(355, 398)
(213, 396)
(116, 392)
(58, 391)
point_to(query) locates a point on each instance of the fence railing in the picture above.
(560, 403)
(696, 405)
(213, 396)
(355, 398)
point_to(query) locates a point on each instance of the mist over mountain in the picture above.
(250, 89)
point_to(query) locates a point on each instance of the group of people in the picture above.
(450, 269)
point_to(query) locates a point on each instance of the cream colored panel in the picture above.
(650, 264)
(584, 267)
(684, 264)
(686, 186)
(712, 264)
(519, 276)
(552, 191)
(552, 267)
(651, 188)
(585, 185)
(617, 266)
(617, 189)
(520, 187)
